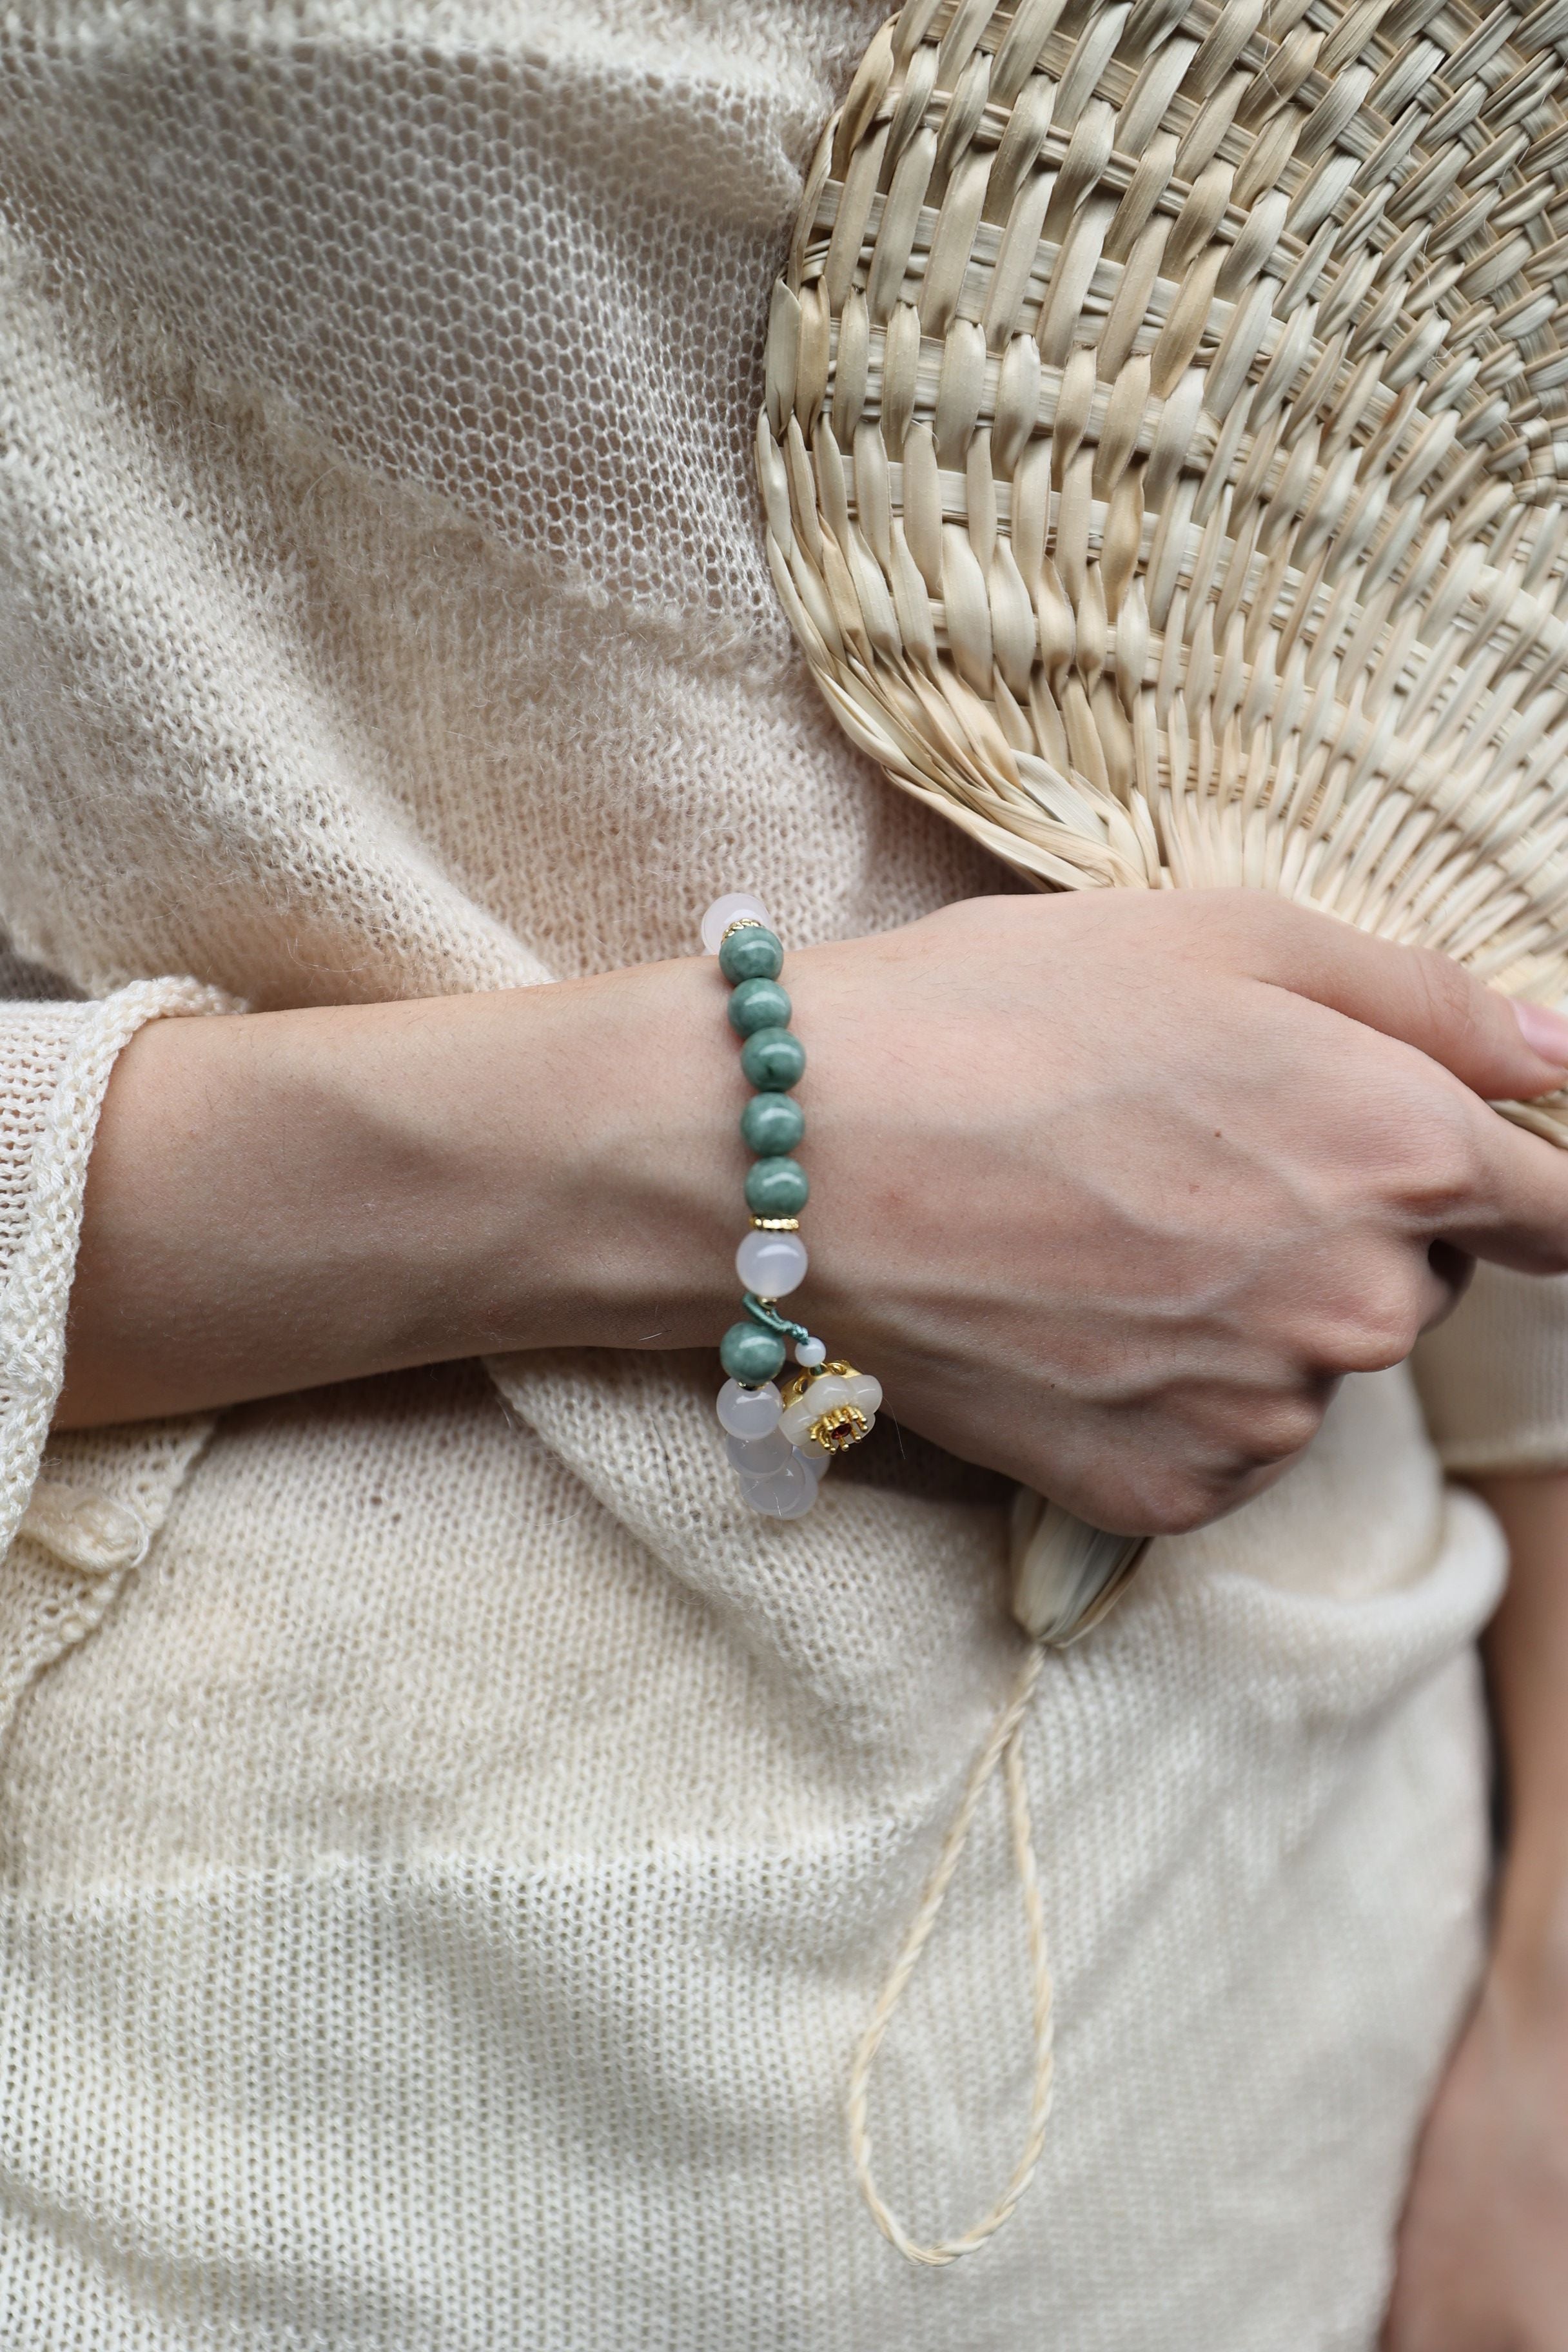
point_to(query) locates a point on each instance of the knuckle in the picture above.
(1450, 997)
(1445, 1186)
(1376, 1349)
(1179, 1506)
(1382, 1333)
(1441, 1161)
(1222, 1446)
(1176, 1498)
(1472, 1032)
(1154, 1499)
(1281, 1428)
(1367, 1314)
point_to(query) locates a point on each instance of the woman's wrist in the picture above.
(279, 1199)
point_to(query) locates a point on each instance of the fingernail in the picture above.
(1544, 1031)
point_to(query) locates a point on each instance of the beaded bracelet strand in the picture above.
(779, 1440)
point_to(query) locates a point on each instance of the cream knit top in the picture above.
(448, 1848)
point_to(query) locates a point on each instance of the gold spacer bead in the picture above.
(776, 1224)
(741, 923)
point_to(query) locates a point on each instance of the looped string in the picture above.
(763, 1311)
(1005, 1744)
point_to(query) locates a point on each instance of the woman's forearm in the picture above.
(278, 1200)
(1106, 1191)
(1527, 1650)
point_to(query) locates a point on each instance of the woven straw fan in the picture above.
(1164, 458)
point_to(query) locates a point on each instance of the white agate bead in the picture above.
(816, 1458)
(786, 1494)
(771, 1265)
(760, 1454)
(729, 910)
(748, 1412)
(810, 1352)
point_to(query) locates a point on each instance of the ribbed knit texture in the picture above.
(73, 1539)
(438, 1904)
(1494, 1378)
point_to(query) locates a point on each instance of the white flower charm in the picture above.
(830, 1410)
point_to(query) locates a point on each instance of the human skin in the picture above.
(1483, 2252)
(1108, 1189)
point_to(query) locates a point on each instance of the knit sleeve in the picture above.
(72, 1523)
(1493, 1379)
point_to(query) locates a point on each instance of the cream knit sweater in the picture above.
(448, 1848)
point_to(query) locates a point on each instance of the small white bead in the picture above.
(772, 1265)
(748, 1412)
(810, 1352)
(761, 1455)
(727, 910)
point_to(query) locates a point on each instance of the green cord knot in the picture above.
(770, 1319)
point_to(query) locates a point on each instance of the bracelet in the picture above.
(779, 1440)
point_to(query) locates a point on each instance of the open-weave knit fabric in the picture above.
(447, 1849)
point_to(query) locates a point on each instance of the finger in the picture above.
(1499, 1047)
(1372, 1301)
(1515, 1209)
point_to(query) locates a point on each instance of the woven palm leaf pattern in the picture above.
(1165, 449)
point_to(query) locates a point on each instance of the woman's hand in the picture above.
(1108, 1190)
(1483, 2253)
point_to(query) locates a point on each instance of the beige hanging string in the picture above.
(1005, 1744)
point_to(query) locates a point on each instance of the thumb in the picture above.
(1501, 1046)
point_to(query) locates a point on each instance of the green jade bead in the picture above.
(758, 1005)
(751, 954)
(776, 1188)
(751, 1354)
(772, 1124)
(773, 1059)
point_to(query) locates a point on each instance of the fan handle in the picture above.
(1067, 1575)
